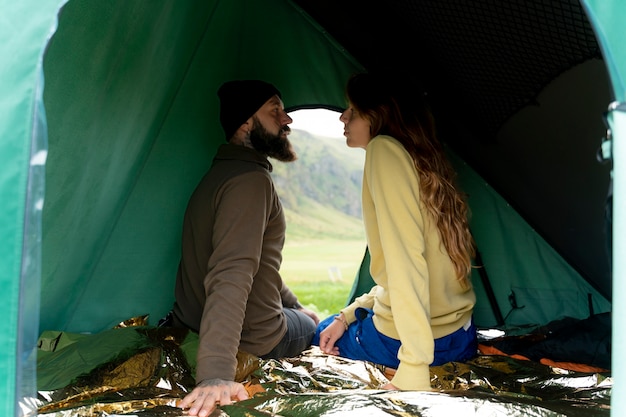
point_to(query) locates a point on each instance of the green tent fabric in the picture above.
(607, 19)
(24, 34)
(108, 116)
(144, 114)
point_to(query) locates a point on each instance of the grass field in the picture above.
(321, 272)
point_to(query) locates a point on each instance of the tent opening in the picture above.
(321, 194)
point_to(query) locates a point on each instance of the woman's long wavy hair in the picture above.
(392, 109)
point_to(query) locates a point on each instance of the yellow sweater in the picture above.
(417, 297)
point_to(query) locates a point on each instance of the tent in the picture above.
(106, 107)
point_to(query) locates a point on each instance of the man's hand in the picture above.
(210, 392)
(311, 314)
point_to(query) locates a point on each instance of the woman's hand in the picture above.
(211, 392)
(331, 334)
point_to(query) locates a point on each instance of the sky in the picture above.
(318, 121)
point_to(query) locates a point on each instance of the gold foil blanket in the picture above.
(145, 371)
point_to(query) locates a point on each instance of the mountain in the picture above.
(321, 191)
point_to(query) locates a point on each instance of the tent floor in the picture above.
(147, 370)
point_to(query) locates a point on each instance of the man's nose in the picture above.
(286, 119)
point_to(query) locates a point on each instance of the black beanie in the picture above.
(240, 99)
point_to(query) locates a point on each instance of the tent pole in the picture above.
(489, 290)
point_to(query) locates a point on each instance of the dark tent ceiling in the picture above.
(481, 62)
(490, 57)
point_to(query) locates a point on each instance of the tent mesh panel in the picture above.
(492, 56)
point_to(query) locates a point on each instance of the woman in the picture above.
(419, 313)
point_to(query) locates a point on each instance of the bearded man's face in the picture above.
(275, 146)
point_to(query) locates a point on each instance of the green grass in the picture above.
(321, 272)
(314, 221)
(325, 298)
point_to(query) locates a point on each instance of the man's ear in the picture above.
(242, 133)
(247, 126)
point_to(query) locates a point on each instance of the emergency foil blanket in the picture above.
(145, 371)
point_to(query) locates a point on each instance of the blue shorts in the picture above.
(363, 342)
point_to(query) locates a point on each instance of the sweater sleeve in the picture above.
(242, 206)
(400, 225)
(289, 299)
(366, 301)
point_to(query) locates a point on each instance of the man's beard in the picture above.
(274, 146)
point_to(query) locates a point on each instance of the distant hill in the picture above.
(321, 191)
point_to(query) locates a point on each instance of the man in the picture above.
(228, 285)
